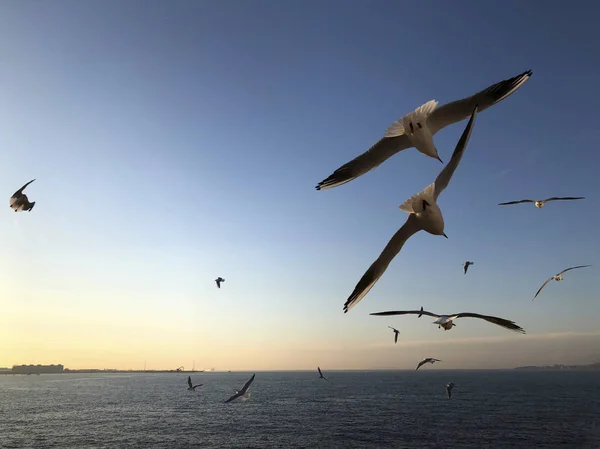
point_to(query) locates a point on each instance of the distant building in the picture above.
(37, 369)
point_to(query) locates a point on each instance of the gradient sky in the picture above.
(174, 142)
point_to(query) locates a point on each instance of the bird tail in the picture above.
(31, 206)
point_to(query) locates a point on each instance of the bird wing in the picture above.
(573, 268)
(437, 360)
(320, 372)
(393, 328)
(543, 285)
(18, 192)
(466, 267)
(195, 386)
(190, 381)
(395, 337)
(421, 363)
(492, 319)
(405, 312)
(558, 198)
(235, 396)
(459, 110)
(516, 202)
(374, 156)
(377, 268)
(247, 385)
(441, 182)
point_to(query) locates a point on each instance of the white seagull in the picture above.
(190, 387)
(19, 201)
(558, 277)
(219, 280)
(417, 129)
(541, 203)
(449, 387)
(242, 392)
(466, 265)
(424, 214)
(321, 374)
(447, 321)
(396, 333)
(427, 360)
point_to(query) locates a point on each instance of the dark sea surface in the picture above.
(356, 409)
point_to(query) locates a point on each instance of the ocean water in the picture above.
(360, 409)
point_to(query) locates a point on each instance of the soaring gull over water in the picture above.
(396, 333)
(427, 360)
(424, 214)
(321, 376)
(541, 203)
(558, 277)
(417, 128)
(447, 321)
(19, 201)
(241, 393)
(192, 387)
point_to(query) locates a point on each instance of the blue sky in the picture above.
(174, 142)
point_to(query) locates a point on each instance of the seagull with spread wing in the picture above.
(243, 392)
(321, 376)
(396, 333)
(467, 264)
(424, 214)
(427, 360)
(447, 321)
(19, 201)
(192, 387)
(417, 129)
(541, 203)
(558, 277)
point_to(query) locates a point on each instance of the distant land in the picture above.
(592, 367)
(60, 369)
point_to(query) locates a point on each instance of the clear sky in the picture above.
(175, 142)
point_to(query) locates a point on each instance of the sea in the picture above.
(354, 409)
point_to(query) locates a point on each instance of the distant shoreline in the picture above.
(592, 367)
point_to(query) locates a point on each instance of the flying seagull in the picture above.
(558, 277)
(449, 387)
(427, 360)
(540, 203)
(417, 128)
(396, 332)
(190, 387)
(447, 321)
(321, 374)
(424, 214)
(219, 280)
(19, 201)
(242, 392)
(466, 265)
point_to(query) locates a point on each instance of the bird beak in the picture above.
(444, 234)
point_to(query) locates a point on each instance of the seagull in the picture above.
(427, 360)
(466, 265)
(321, 374)
(424, 214)
(19, 201)
(558, 277)
(396, 332)
(541, 203)
(447, 321)
(417, 129)
(190, 387)
(242, 392)
(219, 280)
(449, 387)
